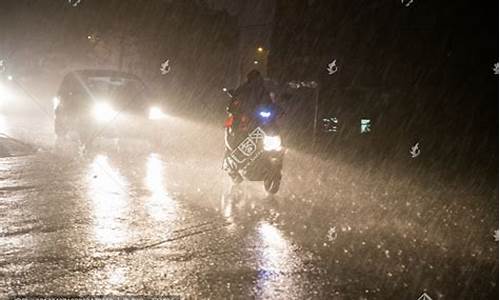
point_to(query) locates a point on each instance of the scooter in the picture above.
(253, 147)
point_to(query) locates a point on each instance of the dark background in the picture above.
(421, 73)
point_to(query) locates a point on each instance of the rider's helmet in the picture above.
(253, 75)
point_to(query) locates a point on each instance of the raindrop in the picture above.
(332, 234)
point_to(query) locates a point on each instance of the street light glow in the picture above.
(260, 49)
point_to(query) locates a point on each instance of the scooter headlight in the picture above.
(265, 114)
(104, 112)
(155, 113)
(272, 143)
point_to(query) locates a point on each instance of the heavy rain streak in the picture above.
(249, 149)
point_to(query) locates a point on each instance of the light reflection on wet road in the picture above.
(276, 256)
(109, 196)
(160, 206)
(161, 221)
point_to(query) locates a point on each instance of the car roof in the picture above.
(102, 72)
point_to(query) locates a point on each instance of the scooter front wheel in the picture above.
(236, 178)
(272, 183)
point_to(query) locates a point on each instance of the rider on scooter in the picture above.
(245, 100)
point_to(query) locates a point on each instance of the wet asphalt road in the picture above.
(131, 218)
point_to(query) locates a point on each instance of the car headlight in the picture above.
(55, 102)
(272, 143)
(104, 112)
(155, 113)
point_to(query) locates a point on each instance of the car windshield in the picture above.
(115, 87)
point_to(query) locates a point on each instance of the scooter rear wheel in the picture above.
(272, 184)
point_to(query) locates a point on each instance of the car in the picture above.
(109, 103)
